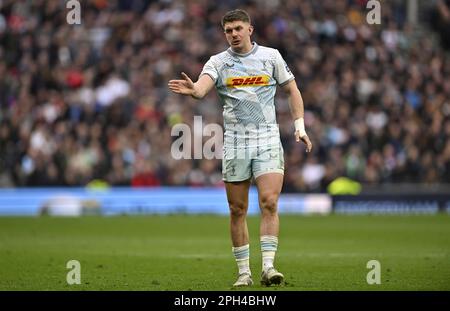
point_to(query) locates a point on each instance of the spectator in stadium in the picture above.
(367, 87)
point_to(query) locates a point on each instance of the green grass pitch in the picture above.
(194, 252)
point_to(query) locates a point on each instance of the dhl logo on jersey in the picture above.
(248, 81)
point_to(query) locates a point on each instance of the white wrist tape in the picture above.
(300, 126)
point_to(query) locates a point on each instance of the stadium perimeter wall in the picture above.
(173, 200)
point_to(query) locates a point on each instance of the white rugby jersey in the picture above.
(246, 85)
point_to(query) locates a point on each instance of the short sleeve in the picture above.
(210, 70)
(282, 73)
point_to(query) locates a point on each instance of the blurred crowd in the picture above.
(89, 102)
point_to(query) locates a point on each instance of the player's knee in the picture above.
(269, 203)
(238, 209)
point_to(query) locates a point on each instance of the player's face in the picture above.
(238, 35)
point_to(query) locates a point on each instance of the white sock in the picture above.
(269, 246)
(242, 256)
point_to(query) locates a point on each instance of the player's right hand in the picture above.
(184, 87)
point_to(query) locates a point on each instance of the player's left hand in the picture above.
(304, 139)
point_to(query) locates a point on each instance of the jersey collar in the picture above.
(252, 51)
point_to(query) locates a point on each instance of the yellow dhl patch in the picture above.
(247, 81)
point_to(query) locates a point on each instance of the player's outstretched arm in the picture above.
(297, 110)
(197, 90)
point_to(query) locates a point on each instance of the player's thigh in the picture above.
(237, 195)
(268, 169)
(269, 186)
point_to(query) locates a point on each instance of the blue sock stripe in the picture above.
(240, 248)
(241, 256)
(241, 253)
(266, 246)
(269, 243)
(269, 239)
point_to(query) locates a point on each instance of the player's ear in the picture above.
(250, 30)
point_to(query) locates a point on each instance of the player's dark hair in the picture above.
(235, 15)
